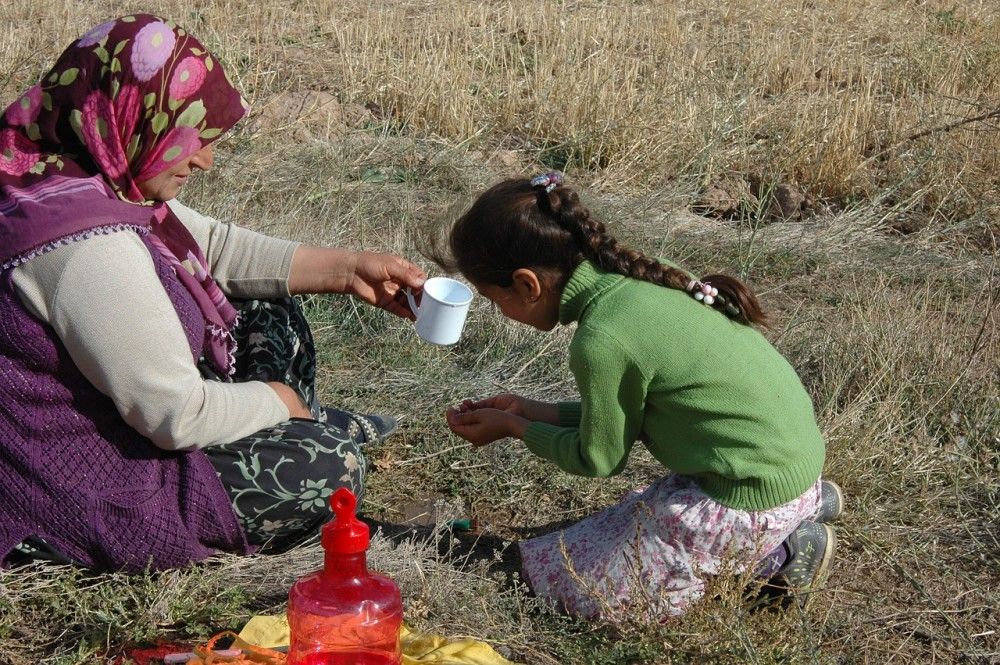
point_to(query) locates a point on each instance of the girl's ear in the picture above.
(527, 284)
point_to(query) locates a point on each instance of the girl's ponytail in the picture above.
(723, 292)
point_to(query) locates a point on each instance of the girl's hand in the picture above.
(513, 404)
(482, 426)
(529, 409)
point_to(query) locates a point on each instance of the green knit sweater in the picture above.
(709, 397)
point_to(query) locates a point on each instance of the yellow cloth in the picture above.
(418, 648)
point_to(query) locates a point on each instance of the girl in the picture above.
(663, 358)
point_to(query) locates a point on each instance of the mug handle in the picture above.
(412, 302)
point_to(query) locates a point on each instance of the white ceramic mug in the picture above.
(442, 310)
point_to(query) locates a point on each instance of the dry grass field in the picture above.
(841, 155)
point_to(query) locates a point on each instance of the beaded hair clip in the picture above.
(705, 293)
(549, 181)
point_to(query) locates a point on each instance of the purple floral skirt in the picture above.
(653, 550)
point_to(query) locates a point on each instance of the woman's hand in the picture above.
(382, 279)
(482, 426)
(378, 279)
(290, 398)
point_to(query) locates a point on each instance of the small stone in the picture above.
(725, 197)
(302, 114)
(507, 157)
(786, 202)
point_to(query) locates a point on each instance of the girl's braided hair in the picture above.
(516, 224)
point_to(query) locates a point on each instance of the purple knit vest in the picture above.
(73, 473)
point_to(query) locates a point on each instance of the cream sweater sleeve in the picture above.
(102, 297)
(246, 264)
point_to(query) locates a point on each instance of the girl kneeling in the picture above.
(659, 357)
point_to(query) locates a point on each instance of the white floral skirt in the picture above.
(654, 549)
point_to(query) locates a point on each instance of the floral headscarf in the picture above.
(128, 100)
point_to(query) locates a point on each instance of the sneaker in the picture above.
(810, 548)
(831, 502)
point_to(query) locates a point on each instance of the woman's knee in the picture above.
(334, 459)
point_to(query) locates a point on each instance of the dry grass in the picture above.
(895, 337)
(825, 93)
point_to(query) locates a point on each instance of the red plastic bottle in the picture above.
(344, 614)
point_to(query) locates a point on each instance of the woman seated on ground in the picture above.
(146, 420)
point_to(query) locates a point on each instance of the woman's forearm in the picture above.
(321, 270)
(377, 278)
(296, 407)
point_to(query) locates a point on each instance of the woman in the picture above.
(145, 421)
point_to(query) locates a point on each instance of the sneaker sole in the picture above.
(823, 573)
(837, 492)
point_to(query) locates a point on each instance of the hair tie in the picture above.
(549, 181)
(705, 293)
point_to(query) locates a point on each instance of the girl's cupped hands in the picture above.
(503, 402)
(480, 426)
(528, 409)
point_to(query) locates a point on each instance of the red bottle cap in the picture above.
(345, 533)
